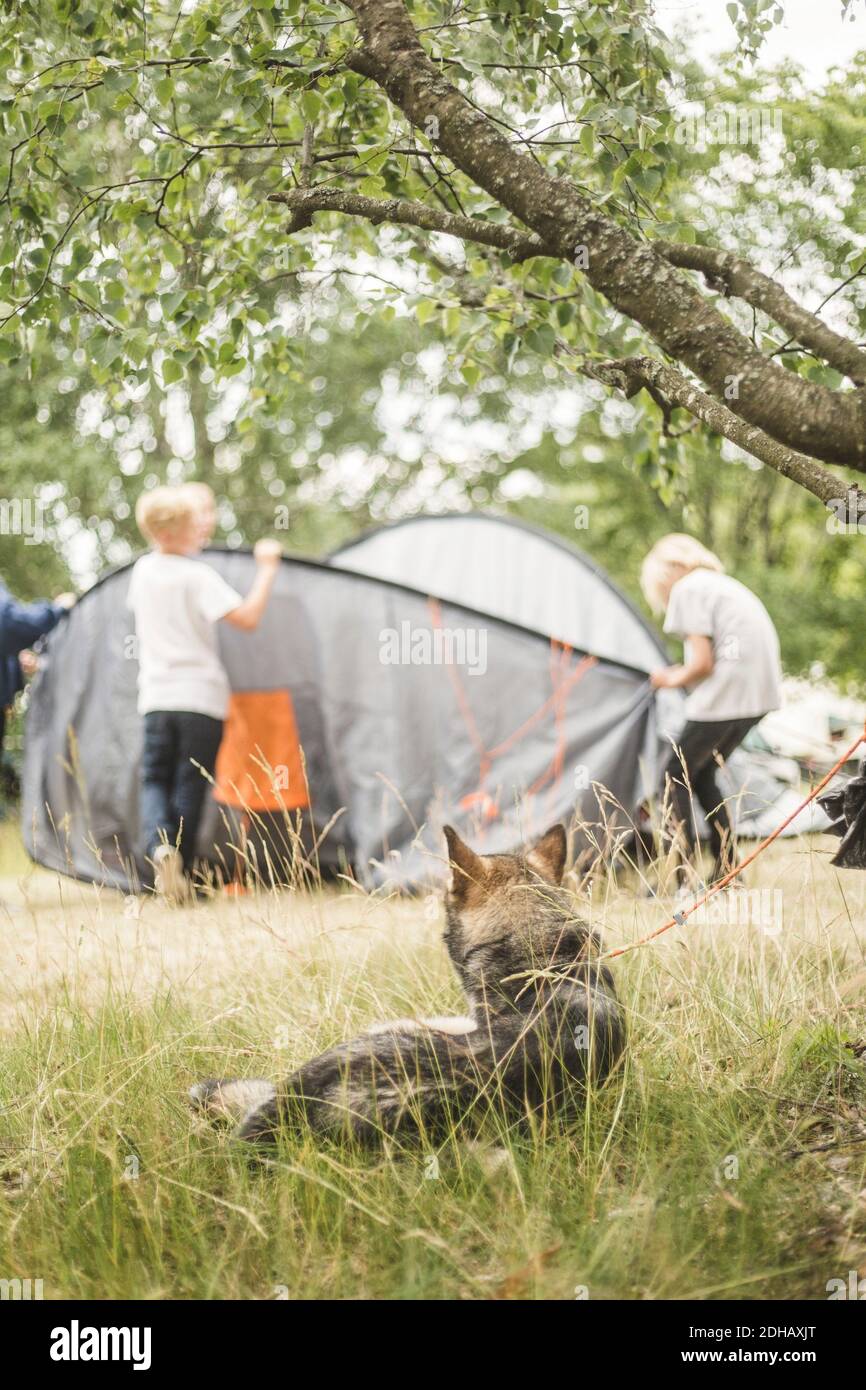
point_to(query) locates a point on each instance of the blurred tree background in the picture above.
(371, 412)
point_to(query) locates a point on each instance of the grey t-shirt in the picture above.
(746, 680)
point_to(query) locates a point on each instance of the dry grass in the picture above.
(682, 1180)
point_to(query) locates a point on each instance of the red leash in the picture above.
(679, 918)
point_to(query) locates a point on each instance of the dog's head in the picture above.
(475, 877)
(507, 912)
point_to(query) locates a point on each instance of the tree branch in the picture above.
(664, 382)
(305, 201)
(738, 277)
(670, 389)
(637, 280)
(301, 219)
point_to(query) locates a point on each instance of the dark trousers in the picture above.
(2, 769)
(177, 745)
(691, 771)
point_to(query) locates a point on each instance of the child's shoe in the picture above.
(170, 880)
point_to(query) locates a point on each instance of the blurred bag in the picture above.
(846, 807)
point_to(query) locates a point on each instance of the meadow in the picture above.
(727, 1160)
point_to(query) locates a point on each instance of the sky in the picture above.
(813, 31)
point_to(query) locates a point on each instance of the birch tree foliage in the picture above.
(182, 182)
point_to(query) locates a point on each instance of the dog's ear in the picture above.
(547, 858)
(467, 867)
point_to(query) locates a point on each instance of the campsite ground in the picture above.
(728, 1161)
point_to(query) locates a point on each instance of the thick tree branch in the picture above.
(305, 201)
(635, 278)
(739, 278)
(670, 389)
(665, 383)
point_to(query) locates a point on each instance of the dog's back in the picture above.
(543, 1021)
(529, 965)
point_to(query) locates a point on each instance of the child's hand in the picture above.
(29, 662)
(660, 679)
(267, 554)
(65, 600)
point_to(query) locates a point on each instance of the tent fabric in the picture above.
(410, 712)
(260, 766)
(512, 570)
(759, 800)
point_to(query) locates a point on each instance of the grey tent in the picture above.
(517, 572)
(411, 707)
(511, 570)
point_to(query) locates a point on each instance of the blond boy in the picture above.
(183, 689)
(203, 502)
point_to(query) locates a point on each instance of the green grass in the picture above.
(684, 1178)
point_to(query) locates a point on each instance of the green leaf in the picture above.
(372, 187)
(375, 163)
(116, 81)
(170, 303)
(311, 105)
(541, 339)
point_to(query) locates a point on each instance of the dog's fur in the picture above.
(543, 1019)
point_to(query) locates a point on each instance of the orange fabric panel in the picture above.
(259, 765)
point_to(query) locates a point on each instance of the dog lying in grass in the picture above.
(543, 1019)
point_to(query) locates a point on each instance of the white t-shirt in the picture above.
(746, 679)
(177, 602)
